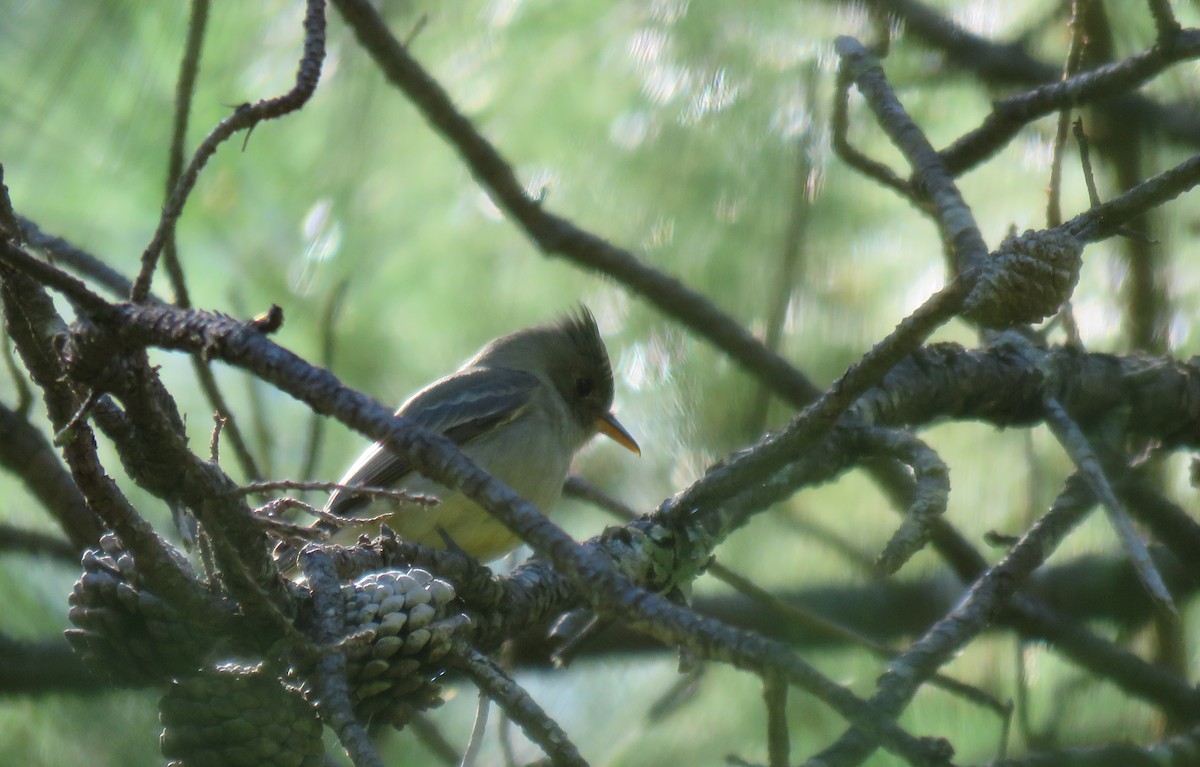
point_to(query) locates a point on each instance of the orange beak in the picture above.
(608, 425)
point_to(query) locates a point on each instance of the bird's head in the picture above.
(570, 354)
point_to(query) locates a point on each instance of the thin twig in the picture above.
(1075, 442)
(10, 226)
(1085, 160)
(872, 169)
(1075, 52)
(185, 89)
(261, 426)
(932, 178)
(906, 673)
(214, 440)
(19, 381)
(1011, 114)
(433, 739)
(245, 117)
(1105, 659)
(791, 261)
(834, 630)
(861, 562)
(78, 418)
(506, 741)
(478, 729)
(268, 516)
(316, 425)
(682, 691)
(1169, 522)
(779, 747)
(1022, 704)
(208, 383)
(261, 609)
(1070, 67)
(19, 540)
(1177, 750)
(1005, 730)
(529, 716)
(52, 277)
(370, 491)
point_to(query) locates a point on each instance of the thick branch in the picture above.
(27, 453)
(34, 324)
(40, 667)
(436, 457)
(1008, 64)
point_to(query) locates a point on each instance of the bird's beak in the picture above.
(608, 425)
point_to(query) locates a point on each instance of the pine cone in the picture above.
(1027, 280)
(124, 629)
(237, 715)
(402, 626)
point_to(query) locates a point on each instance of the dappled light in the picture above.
(640, 383)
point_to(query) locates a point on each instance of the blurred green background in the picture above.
(689, 133)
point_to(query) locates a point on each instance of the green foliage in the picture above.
(670, 128)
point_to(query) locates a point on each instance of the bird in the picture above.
(521, 408)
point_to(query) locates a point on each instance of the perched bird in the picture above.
(520, 408)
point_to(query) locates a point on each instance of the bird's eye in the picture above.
(583, 386)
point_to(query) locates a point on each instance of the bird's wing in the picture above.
(461, 407)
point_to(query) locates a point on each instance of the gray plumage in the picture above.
(521, 408)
